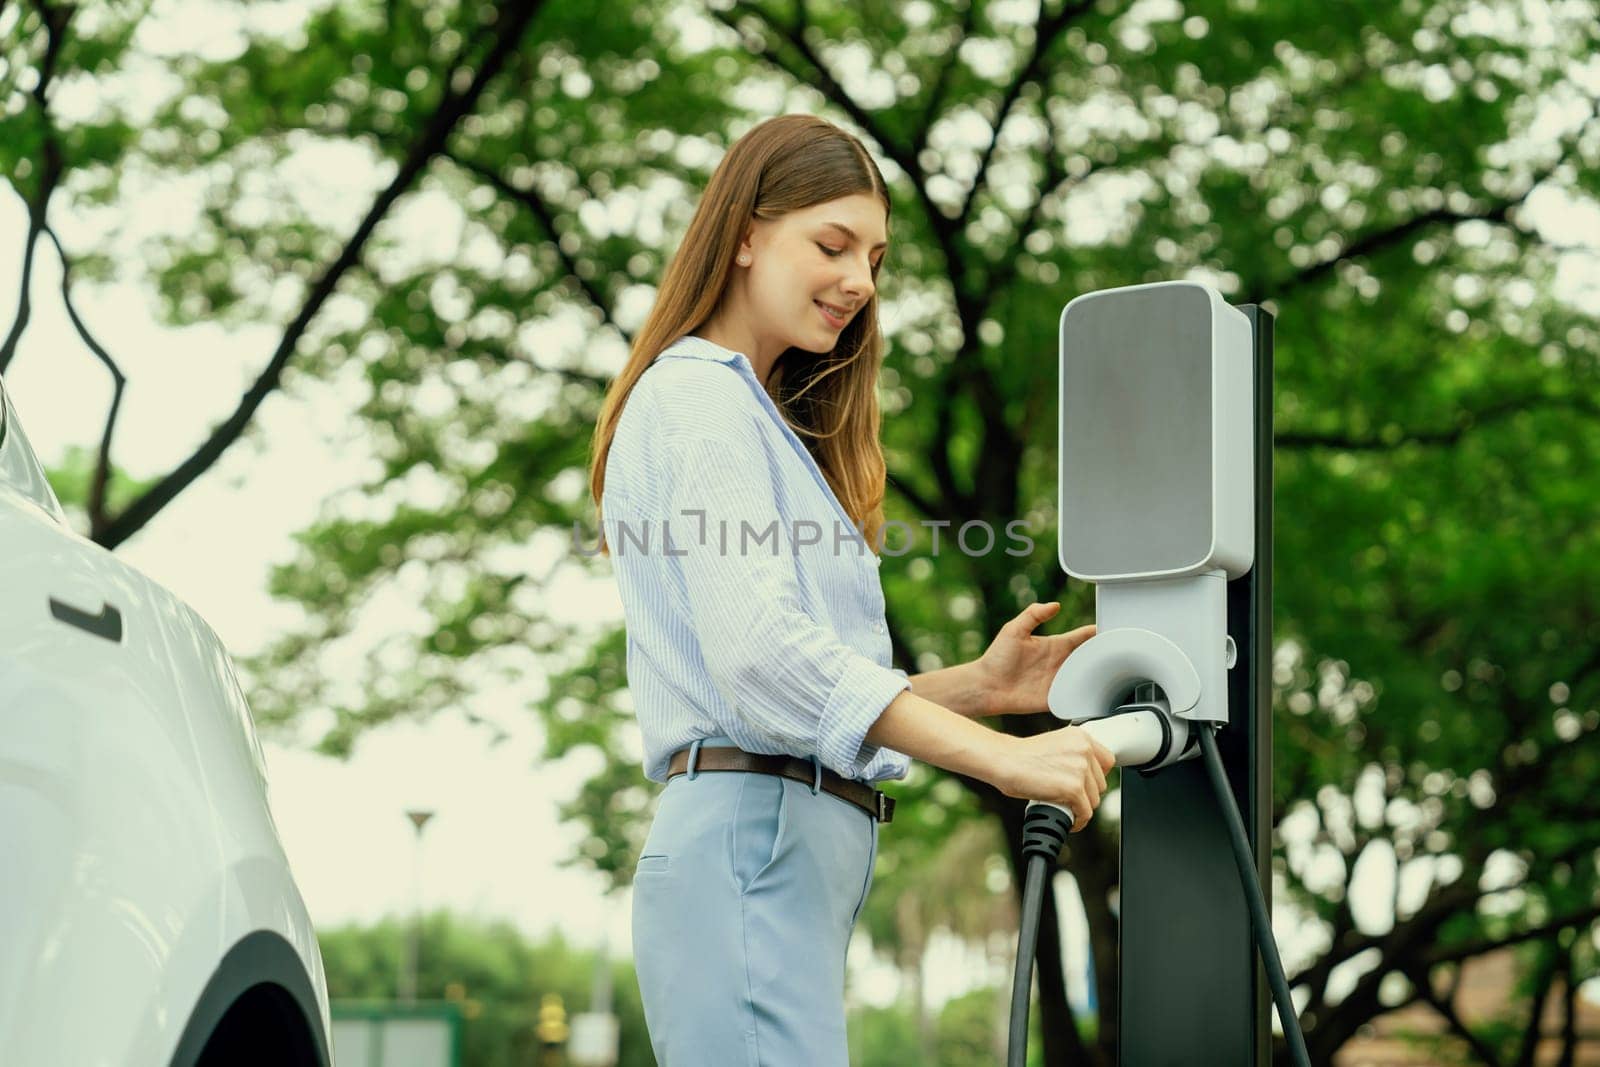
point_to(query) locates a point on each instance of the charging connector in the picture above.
(1140, 736)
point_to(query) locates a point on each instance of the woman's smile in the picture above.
(837, 321)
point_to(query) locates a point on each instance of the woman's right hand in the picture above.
(1065, 767)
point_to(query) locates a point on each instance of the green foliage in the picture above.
(496, 974)
(498, 977)
(881, 1035)
(969, 1028)
(967, 1031)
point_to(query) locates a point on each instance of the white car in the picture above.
(147, 915)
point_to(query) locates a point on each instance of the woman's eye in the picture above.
(835, 253)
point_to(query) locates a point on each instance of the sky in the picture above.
(495, 845)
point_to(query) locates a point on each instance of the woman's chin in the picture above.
(819, 348)
(829, 339)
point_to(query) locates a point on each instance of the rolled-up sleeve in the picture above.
(778, 669)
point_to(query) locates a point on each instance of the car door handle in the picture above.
(107, 624)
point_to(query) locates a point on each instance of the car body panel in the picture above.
(134, 814)
(19, 466)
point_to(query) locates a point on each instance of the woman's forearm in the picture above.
(962, 688)
(933, 733)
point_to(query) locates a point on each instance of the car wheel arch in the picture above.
(261, 976)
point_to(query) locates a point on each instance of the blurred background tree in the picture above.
(1374, 173)
(498, 978)
(493, 972)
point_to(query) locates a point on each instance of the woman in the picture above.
(739, 480)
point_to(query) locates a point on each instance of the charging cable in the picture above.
(1139, 737)
(1260, 923)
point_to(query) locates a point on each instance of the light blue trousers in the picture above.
(743, 902)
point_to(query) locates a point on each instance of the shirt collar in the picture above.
(691, 347)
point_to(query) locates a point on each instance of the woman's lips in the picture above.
(833, 320)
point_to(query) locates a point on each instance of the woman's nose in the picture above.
(859, 285)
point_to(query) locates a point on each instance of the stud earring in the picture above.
(744, 260)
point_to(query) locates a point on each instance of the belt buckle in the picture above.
(885, 805)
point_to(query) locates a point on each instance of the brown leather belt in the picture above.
(875, 803)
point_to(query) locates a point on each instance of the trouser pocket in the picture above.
(756, 832)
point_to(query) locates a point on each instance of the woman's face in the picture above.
(825, 254)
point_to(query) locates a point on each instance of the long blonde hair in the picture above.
(830, 400)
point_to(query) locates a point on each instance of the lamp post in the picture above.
(408, 967)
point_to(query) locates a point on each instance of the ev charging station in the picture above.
(1165, 504)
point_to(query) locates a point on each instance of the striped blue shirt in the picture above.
(752, 604)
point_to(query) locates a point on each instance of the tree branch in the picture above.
(55, 23)
(1055, 172)
(814, 74)
(1446, 1011)
(915, 497)
(1477, 947)
(1465, 421)
(1442, 902)
(941, 84)
(1569, 1017)
(811, 71)
(1399, 948)
(794, 36)
(530, 199)
(102, 467)
(1378, 240)
(1148, 151)
(1045, 34)
(453, 107)
(1541, 989)
(36, 215)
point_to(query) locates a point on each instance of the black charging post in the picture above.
(1191, 989)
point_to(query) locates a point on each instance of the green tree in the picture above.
(879, 1037)
(496, 974)
(1366, 170)
(967, 1032)
(935, 880)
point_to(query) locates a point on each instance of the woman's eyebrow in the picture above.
(848, 232)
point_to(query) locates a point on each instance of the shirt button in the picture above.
(877, 627)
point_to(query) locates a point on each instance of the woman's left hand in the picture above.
(1018, 667)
